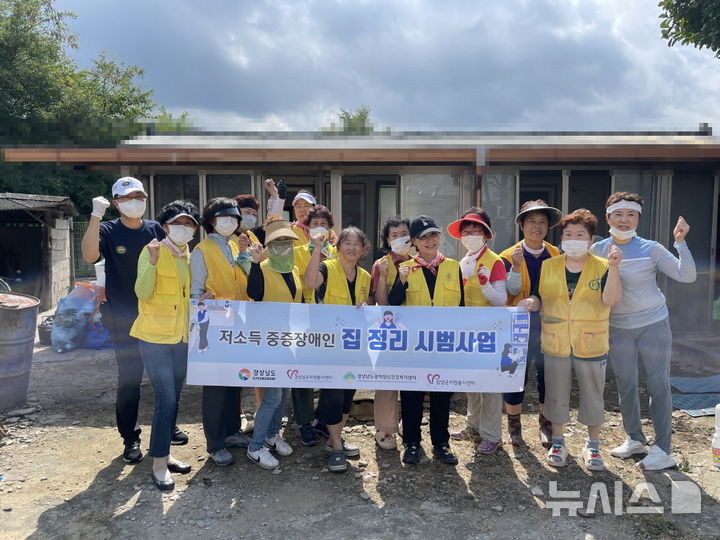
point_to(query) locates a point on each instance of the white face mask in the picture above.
(319, 230)
(180, 235)
(225, 225)
(575, 248)
(401, 245)
(133, 209)
(622, 235)
(248, 221)
(473, 243)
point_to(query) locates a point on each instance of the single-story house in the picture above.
(364, 179)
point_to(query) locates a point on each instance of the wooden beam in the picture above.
(240, 155)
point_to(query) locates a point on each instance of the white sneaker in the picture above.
(656, 460)
(629, 448)
(280, 445)
(263, 458)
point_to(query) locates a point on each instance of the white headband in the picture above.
(306, 197)
(622, 204)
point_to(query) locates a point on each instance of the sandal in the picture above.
(337, 462)
(545, 426)
(593, 459)
(558, 455)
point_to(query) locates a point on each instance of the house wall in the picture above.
(60, 260)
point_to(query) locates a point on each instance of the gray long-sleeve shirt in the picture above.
(643, 303)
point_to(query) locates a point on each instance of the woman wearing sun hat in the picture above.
(428, 279)
(523, 261)
(640, 328)
(163, 292)
(484, 276)
(275, 279)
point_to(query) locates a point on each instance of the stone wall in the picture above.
(60, 260)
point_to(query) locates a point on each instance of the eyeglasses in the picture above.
(132, 197)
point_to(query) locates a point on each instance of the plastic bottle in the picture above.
(716, 438)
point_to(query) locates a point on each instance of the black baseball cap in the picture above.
(422, 225)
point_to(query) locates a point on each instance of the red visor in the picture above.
(455, 227)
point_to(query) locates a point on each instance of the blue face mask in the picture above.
(248, 221)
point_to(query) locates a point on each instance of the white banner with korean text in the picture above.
(235, 343)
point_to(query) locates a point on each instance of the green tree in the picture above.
(46, 99)
(694, 22)
(352, 122)
(34, 67)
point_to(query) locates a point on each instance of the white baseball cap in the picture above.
(127, 185)
(307, 197)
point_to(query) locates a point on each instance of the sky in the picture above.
(418, 64)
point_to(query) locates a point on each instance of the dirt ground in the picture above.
(63, 477)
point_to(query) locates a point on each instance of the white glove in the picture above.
(467, 267)
(100, 204)
(484, 277)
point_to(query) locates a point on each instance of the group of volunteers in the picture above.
(590, 302)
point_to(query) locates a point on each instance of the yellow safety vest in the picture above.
(302, 256)
(447, 285)
(276, 289)
(336, 289)
(474, 296)
(303, 238)
(526, 286)
(163, 318)
(578, 326)
(224, 280)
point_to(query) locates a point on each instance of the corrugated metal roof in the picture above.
(26, 201)
(304, 140)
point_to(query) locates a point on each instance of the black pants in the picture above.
(412, 411)
(203, 336)
(333, 404)
(302, 400)
(221, 414)
(130, 371)
(534, 354)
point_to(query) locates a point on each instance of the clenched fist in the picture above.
(467, 267)
(99, 204)
(681, 229)
(615, 255)
(154, 250)
(383, 267)
(256, 251)
(517, 258)
(484, 275)
(403, 272)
